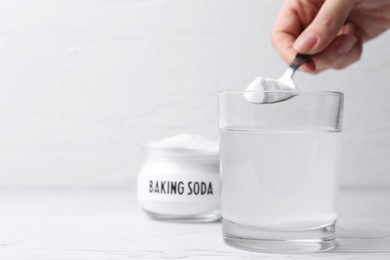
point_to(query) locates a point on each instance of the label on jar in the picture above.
(172, 188)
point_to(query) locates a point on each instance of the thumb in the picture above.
(325, 26)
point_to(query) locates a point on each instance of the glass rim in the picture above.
(304, 92)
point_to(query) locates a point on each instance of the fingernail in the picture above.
(305, 42)
(305, 69)
(309, 67)
(346, 44)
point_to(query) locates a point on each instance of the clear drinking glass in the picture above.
(278, 166)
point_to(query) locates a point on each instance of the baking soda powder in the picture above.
(180, 179)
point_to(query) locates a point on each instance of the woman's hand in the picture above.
(331, 30)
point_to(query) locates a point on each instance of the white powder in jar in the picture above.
(179, 179)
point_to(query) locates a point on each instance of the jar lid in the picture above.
(184, 145)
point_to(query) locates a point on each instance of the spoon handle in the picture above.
(299, 60)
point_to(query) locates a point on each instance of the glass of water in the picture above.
(278, 167)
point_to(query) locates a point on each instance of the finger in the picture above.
(287, 28)
(308, 66)
(325, 27)
(336, 53)
(374, 24)
(351, 57)
(348, 28)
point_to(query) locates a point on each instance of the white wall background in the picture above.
(83, 83)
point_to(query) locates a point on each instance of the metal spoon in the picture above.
(287, 78)
(268, 91)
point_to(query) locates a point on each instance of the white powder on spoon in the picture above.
(265, 91)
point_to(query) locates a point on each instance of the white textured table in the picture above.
(109, 225)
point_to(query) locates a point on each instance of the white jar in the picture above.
(179, 179)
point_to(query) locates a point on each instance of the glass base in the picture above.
(278, 240)
(205, 217)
